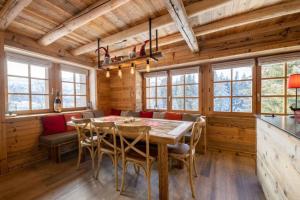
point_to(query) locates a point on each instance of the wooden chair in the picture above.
(86, 139)
(186, 152)
(107, 144)
(131, 153)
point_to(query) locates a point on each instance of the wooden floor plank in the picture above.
(221, 175)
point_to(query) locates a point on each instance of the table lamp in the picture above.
(294, 82)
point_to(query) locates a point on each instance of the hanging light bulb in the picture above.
(148, 65)
(132, 68)
(120, 72)
(107, 73)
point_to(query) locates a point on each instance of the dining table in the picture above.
(163, 133)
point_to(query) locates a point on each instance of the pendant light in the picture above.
(148, 65)
(132, 68)
(107, 73)
(120, 72)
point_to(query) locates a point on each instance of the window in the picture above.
(156, 90)
(74, 89)
(232, 87)
(185, 89)
(27, 84)
(275, 96)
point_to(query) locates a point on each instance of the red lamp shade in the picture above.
(294, 81)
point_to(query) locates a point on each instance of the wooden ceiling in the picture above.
(42, 16)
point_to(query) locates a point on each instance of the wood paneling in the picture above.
(278, 162)
(103, 92)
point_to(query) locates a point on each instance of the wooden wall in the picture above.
(103, 92)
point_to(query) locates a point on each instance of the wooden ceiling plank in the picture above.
(11, 10)
(178, 13)
(92, 12)
(159, 22)
(277, 10)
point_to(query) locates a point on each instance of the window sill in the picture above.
(37, 116)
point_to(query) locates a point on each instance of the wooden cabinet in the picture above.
(278, 162)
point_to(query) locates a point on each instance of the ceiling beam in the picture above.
(278, 10)
(90, 13)
(178, 13)
(10, 11)
(159, 22)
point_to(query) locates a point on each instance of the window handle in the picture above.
(52, 91)
(169, 99)
(258, 97)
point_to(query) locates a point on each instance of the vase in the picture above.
(57, 103)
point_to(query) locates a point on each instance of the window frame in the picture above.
(75, 71)
(184, 72)
(29, 61)
(231, 65)
(145, 90)
(285, 95)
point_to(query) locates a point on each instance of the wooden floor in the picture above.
(221, 176)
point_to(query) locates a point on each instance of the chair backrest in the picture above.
(98, 113)
(88, 115)
(82, 128)
(196, 132)
(141, 133)
(102, 129)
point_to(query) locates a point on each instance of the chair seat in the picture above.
(179, 148)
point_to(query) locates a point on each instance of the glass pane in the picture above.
(80, 89)
(39, 102)
(67, 88)
(191, 104)
(152, 81)
(177, 79)
(178, 104)
(18, 69)
(242, 73)
(17, 85)
(162, 104)
(242, 104)
(291, 101)
(147, 82)
(178, 91)
(161, 91)
(191, 91)
(222, 89)
(18, 102)
(272, 70)
(150, 103)
(80, 101)
(80, 78)
(191, 78)
(68, 101)
(150, 92)
(222, 75)
(39, 86)
(67, 76)
(222, 104)
(272, 105)
(38, 72)
(161, 80)
(272, 87)
(242, 88)
(293, 67)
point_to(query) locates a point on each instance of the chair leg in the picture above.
(194, 164)
(149, 183)
(79, 156)
(124, 166)
(136, 168)
(190, 171)
(98, 164)
(116, 172)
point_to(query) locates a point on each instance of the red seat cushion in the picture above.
(146, 114)
(115, 112)
(68, 118)
(173, 116)
(54, 124)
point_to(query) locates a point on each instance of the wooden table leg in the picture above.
(163, 172)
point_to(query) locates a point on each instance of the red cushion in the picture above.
(146, 114)
(68, 118)
(54, 124)
(115, 112)
(173, 116)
